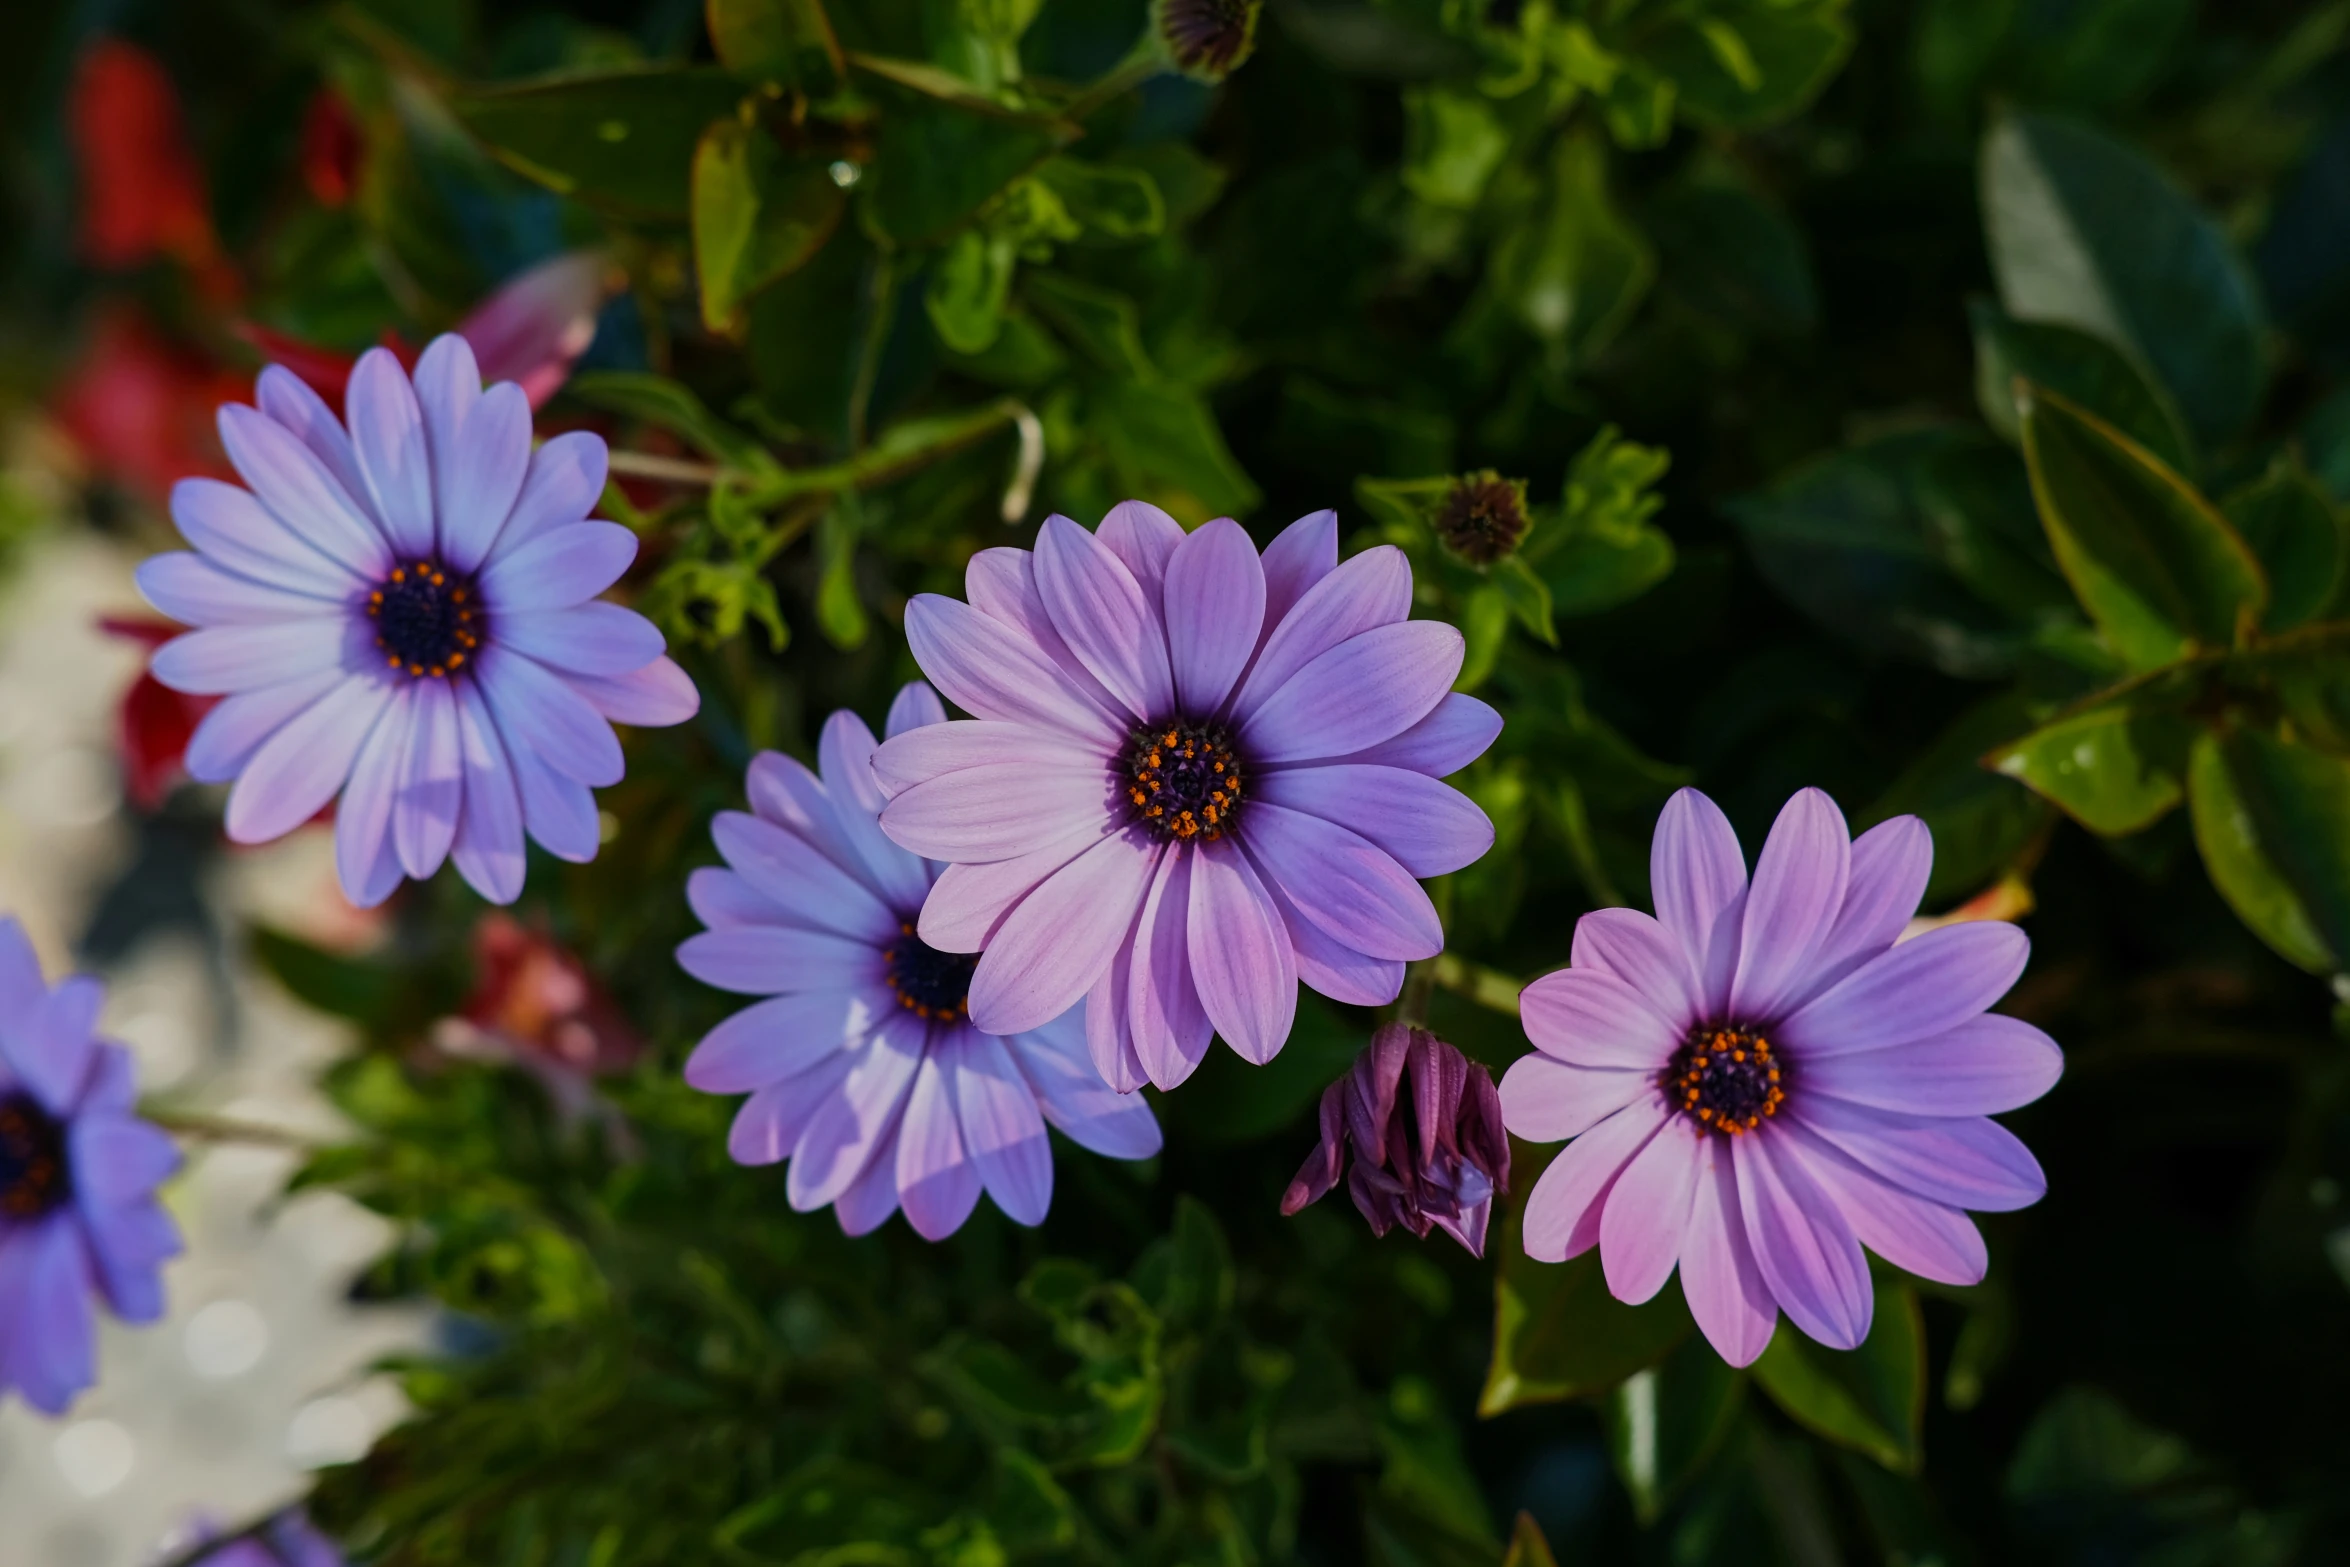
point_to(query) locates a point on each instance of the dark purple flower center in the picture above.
(929, 983)
(427, 619)
(1184, 780)
(33, 1175)
(1729, 1080)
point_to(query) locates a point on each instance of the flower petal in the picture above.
(1101, 612)
(1798, 889)
(562, 485)
(1644, 955)
(299, 768)
(1003, 1131)
(1547, 1101)
(489, 851)
(1145, 539)
(1109, 1017)
(1300, 555)
(1647, 1212)
(48, 1350)
(722, 900)
(1075, 1099)
(1215, 606)
(969, 902)
(1802, 1243)
(1455, 733)
(991, 671)
(1920, 988)
(48, 1046)
(806, 887)
(196, 592)
(783, 1036)
(935, 751)
(229, 735)
(219, 660)
(999, 810)
(432, 786)
(1001, 584)
(367, 862)
(1984, 1065)
(845, 751)
(289, 480)
(235, 531)
(1171, 1031)
(1371, 590)
(129, 1244)
(938, 1183)
(118, 1159)
(915, 706)
(873, 1196)
(286, 398)
(1343, 883)
(538, 712)
(654, 697)
(387, 431)
(849, 1127)
(1241, 960)
(769, 1124)
(1430, 828)
(1051, 947)
(1589, 1017)
(1961, 1162)
(563, 566)
(589, 639)
(1915, 1235)
(1724, 1285)
(1367, 689)
(772, 960)
(480, 445)
(558, 811)
(1330, 965)
(1696, 871)
(1890, 865)
(1563, 1211)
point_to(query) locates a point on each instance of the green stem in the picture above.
(200, 1127)
(885, 289)
(1474, 982)
(1137, 68)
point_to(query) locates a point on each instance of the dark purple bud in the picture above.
(1207, 38)
(1483, 517)
(1423, 1125)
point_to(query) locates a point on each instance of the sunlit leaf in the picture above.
(758, 213)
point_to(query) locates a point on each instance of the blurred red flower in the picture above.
(142, 193)
(539, 1001)
(142, 408)
(154, 723)
(331, 149)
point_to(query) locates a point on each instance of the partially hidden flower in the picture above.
(1759, 1081)
(1424, 1125)
(153, 725)
(404, 613)
(288, 1540)
(537, 1000)
(78, 1172)
(864, 1066)
(1194, 778)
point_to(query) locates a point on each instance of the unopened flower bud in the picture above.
(1208, 39)
(1483, 517)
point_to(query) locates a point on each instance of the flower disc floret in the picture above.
(1184, 780)
(33, 1175)
(427, 620)
(1726, 1079)
(928, 983)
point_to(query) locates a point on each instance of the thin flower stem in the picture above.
(1473, 982)
(644, 465)
(200, 1127)
(885, 299)
(1419, 981)
(1138, 67)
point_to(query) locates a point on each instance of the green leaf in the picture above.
(969, 285)
(1981, 821)
(1573, 270)
(1527, 1546)
(1453, 141)
(1664, 1422)
(840, 615)
(1603, 550)
(944, 151)
(708, 603)
(2086, 232)
(622, 139)
(2072, 363)
(2157, 568)
(2273, 822)
(1753, 63)
(1871, 1399)
(1485, 628)
(758, 214)
(1729, 250)
(1099, 323)
(672, 406)
(1109, 200)
(2117, 763)
(1168, 437)
(788, 41)
(2301, 539)
(336, 985)
(1528, 596)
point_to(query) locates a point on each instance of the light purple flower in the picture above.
(864, 1067)
(1194, 777)
(288, 1540)
(78, 1172)
(405, 612)
(1759, 1082)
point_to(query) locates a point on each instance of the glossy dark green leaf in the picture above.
(2075, 364)
(2301, 538)
(788, 41)
(2155, 565)
(1871, 1399)
(758, 213)
(2116, 763)
(1975, 511)
(2098, 54)
(1728, 249)
(1749, 63)
(2273, 822)
(1981, 820)
(1573, 270)
(623, 139)
(2087, 232)
(944, 150)
(1664, 1422)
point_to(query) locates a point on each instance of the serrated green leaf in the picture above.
(2075, 364)
(1871, 1399)
(2272, 820)
(623, 139)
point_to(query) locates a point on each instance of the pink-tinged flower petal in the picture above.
(537, 323)
(235, 532)
(1644, 955)
(935, 751)
(49, 1351)
(654, 697)
(873, 1196)
(1074, 1098)
(785, 792)
(387, 431)
(47, 1045)
(118, 1159)
(1697, 872)
(1171, 1030)
(1365, 690)
(770, 960)
(915, 706)
(1144, 538)
(1925, 1238)
(1724, 1285)
(845, 751)
(1984, 1065)
(1547, 1101)
(1241, 961)
(367, 862)
(1373, 589)
(1798, 890)
(1109, 1019)
(1588, 1017)
(22, 989)
(1563, 1211)
(1001, 584)
(781, 1037)
(538, 712)
(722, 900)
(851, 1124)
(286, 398)
(1000, 810)
(558, 811)
(770, 1123)
(488, 852)
(969, 902)
(589, 639)
(476, 486)
(229, 735)
(219, 660)
(1101, 612)
(1215, 606)
(1454, 734)
(1647, 1212)
(128, 1245)
(1300, 555)
(424, 819)
(990, 670)
(1003, 1131)
(1890, 865)
(1051, 948)
(289, 480)
(299, 768)
(1963, 1162)
(938, 1183)
(1802, 1243)
(807, 887)
(563, 566)
(1344, 883)
(562, 485)
(1917, 990)
(195, 592)
(1331, 966)
(1430, 828)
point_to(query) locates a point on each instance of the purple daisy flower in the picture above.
(288, 1540)
(1195, 777)
(78, 1172)
(404, 613)
(1759, 1081)
(865, 1068)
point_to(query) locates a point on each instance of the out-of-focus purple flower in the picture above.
(1759, 1081)
(1195, 777)
(288, 1540)
(78, 1172)
(405, 612)
(864, 1067)
(1424, 1123)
